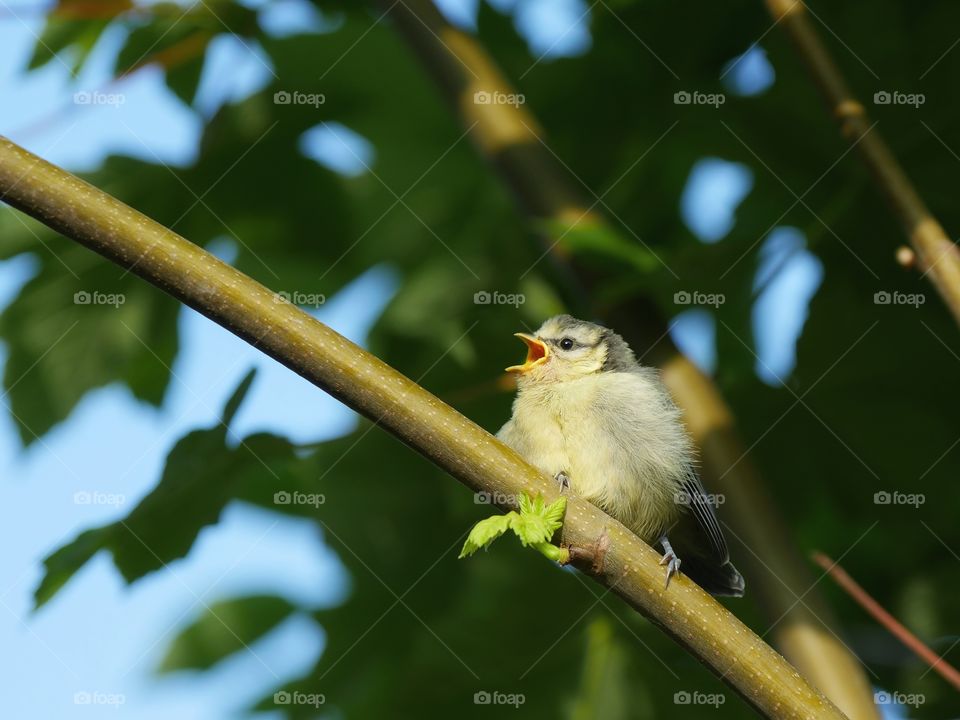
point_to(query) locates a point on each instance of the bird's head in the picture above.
(564, 349)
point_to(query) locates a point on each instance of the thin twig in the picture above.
(896, 628)
(937, 255)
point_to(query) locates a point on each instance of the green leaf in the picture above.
(63, 563)
(602, 241)
(233, 404)
(486, 531)
(525, 505)
(72, 330)
(200, 476)
(554, 512)
(536, 523)
(224, 628)
(196, 484)
(74, 25)
(177, 44)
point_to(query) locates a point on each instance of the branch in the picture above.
(400, 406)
(512, 140)
(937, 255)
(894, 626)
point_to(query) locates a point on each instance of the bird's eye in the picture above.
(566, 344)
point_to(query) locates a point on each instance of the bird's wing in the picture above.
(702, 511)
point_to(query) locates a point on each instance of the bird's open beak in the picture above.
(537, 354)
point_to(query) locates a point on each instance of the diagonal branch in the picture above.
(937, 255)
(512, 140)
(400, 406)
(896, 628)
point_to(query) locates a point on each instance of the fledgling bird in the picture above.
(590, 415)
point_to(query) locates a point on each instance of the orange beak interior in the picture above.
(537, 354)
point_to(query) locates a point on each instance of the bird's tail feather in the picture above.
(716, 579)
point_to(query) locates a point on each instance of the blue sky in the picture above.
(99, 636)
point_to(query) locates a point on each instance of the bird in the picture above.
(604, 426)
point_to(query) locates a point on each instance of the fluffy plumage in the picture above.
(586, 408)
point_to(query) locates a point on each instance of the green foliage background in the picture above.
(878, 383)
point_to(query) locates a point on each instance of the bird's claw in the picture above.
(673, 566)
(669, 559)
(563, 480)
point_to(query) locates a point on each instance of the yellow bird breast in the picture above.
(607, 433)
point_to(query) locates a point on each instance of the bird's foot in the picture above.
(669, 559)
(563, 480)
(595, 555)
